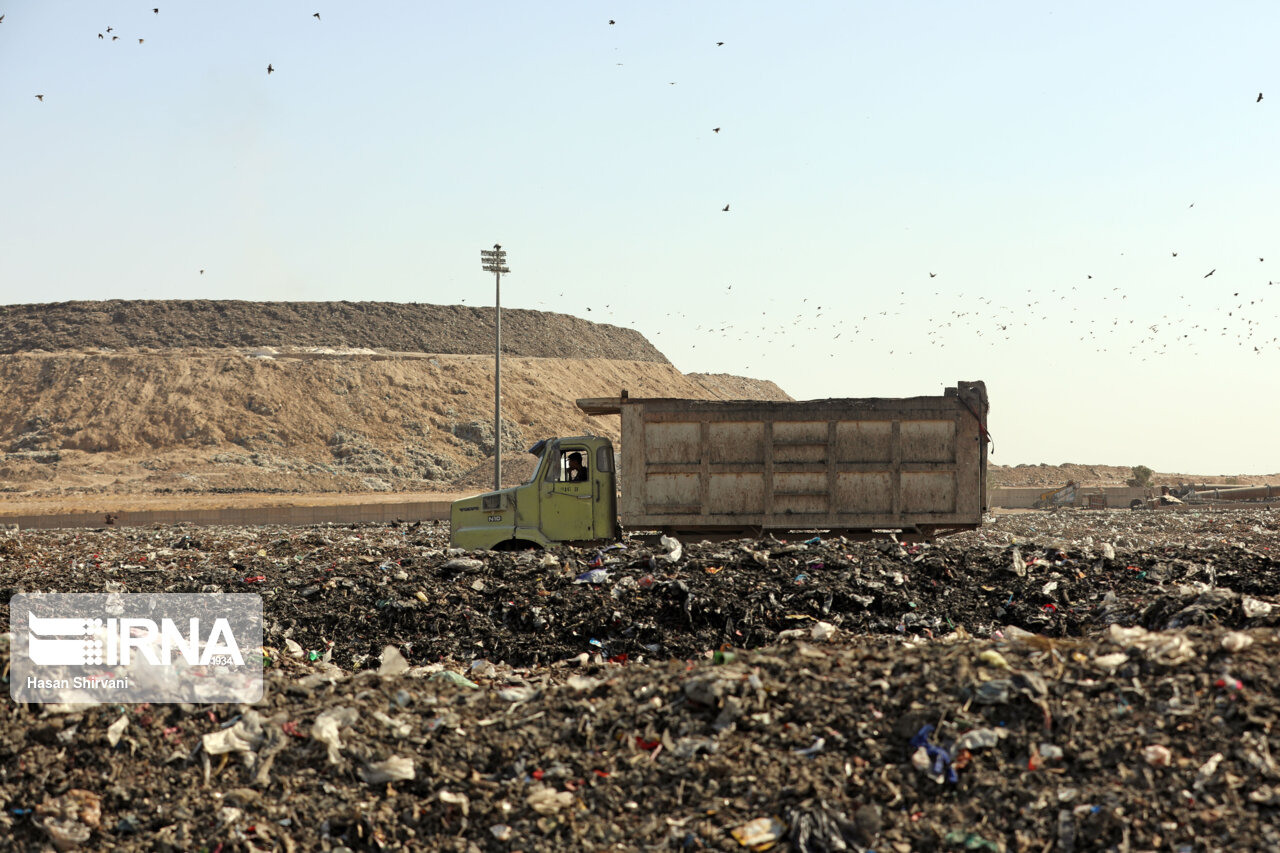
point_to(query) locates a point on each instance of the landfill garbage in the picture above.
(931, 759)
(674, 549)
(822, 631)
(69, 820)
(992, 658)
(462, 801)
(1163, 647)
(116, 730)
(244, 736)
(955, 839)
(452, 677)
(759, 833)
(687, 717)
(546, 801)
(392, 662)
(327, 729)
(397, 768)
(983, 738)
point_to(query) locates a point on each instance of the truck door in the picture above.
(605, 497)
(567, 492)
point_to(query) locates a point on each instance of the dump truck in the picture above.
(916, 466)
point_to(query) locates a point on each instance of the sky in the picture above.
(1073, 202)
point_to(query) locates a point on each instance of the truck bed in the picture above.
(850, 466)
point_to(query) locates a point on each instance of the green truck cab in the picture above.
(570, 500)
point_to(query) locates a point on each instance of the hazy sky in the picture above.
(918, 192)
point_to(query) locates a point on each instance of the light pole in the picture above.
(495, 261)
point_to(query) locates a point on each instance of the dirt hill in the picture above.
(200, 421)
(186, 397)
(383, 326)
(1106, 475)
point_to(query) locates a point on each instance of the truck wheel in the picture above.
(516, 545)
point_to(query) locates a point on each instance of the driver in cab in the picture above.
(576, 472)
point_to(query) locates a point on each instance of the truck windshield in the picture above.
(541, 450)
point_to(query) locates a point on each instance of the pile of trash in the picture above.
(1069, 681)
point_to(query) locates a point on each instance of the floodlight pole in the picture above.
(495, 261)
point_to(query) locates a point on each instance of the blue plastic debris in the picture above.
(940, 757)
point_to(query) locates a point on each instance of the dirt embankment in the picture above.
(197, 397)
(189, 422)
(384, 326)
(1107, 475)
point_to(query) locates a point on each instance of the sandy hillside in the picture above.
(1108, 475)
(217, 421)
(196, 398)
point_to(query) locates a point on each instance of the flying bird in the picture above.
(933, 275)
(269, 68)
(715, 130)
(100, 35)
(41, 98)
(726, 207)
(612, 22)
(1211, 272)
(115, 38)
(1256, 102)
(1175, 254)
(316, 16)
(1, 19)
(139, 41)
(719, 44)
(157, 11)
(109, 29)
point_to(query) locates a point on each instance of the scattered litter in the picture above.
(759, 833)
(683, 715)
(398, 768)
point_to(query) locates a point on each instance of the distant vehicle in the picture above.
(1063, 496)
(715, 469)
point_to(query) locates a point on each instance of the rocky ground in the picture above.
(1051, 682)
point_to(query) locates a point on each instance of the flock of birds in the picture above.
(1078, 319)
(1072, 312)
(110, 32)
